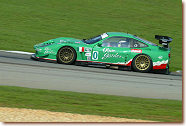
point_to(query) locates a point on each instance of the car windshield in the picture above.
(148, 42)
(95, 39)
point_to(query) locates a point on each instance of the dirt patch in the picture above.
(29, 115)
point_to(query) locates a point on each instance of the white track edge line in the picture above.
(19, 52)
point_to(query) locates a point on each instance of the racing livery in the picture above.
(111, 48)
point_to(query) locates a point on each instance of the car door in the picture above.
(114, 50)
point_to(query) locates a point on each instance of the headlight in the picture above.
(38, 50)
(47, 44)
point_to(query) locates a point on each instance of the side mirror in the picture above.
(84, 40)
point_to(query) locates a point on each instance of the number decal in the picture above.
(95, 55)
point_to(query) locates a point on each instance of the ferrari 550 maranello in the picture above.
(111, 48)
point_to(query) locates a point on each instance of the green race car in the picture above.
(111, 48)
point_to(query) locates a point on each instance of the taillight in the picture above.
(169, 55)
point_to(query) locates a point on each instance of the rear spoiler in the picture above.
(164, 40)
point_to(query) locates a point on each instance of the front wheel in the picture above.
(66, 55)
(142, 63)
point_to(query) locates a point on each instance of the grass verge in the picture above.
(24, 23)
(92, 104)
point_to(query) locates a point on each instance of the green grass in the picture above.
(93, 104)
(27, 22)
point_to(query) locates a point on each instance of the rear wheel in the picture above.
(66, 55)
(142, 63)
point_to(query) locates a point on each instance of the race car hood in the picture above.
(60, 40)
(66, 40)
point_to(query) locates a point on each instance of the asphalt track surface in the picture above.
(20, 70)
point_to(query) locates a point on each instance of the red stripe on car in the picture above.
(162, 66)
(83, 49)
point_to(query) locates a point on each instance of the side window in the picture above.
(137, 44)
(117, 42)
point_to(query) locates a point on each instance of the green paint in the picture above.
(101, 53)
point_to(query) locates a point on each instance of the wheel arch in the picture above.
(75, 50)
(141, 54)
(67, 46)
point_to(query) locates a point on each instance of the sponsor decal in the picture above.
(158, 63)
(88, 49)
(48, 50)
(128, 63)
(95, 55)
(87, 54)
(107, 55)
(88, 58)
(136, 50)
(108, 50)
(62, 40)
(77, 42)
(65, 41)
(160, 57)
(81, 49)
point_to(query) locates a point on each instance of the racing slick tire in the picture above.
(66, 55)
(142, 63)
